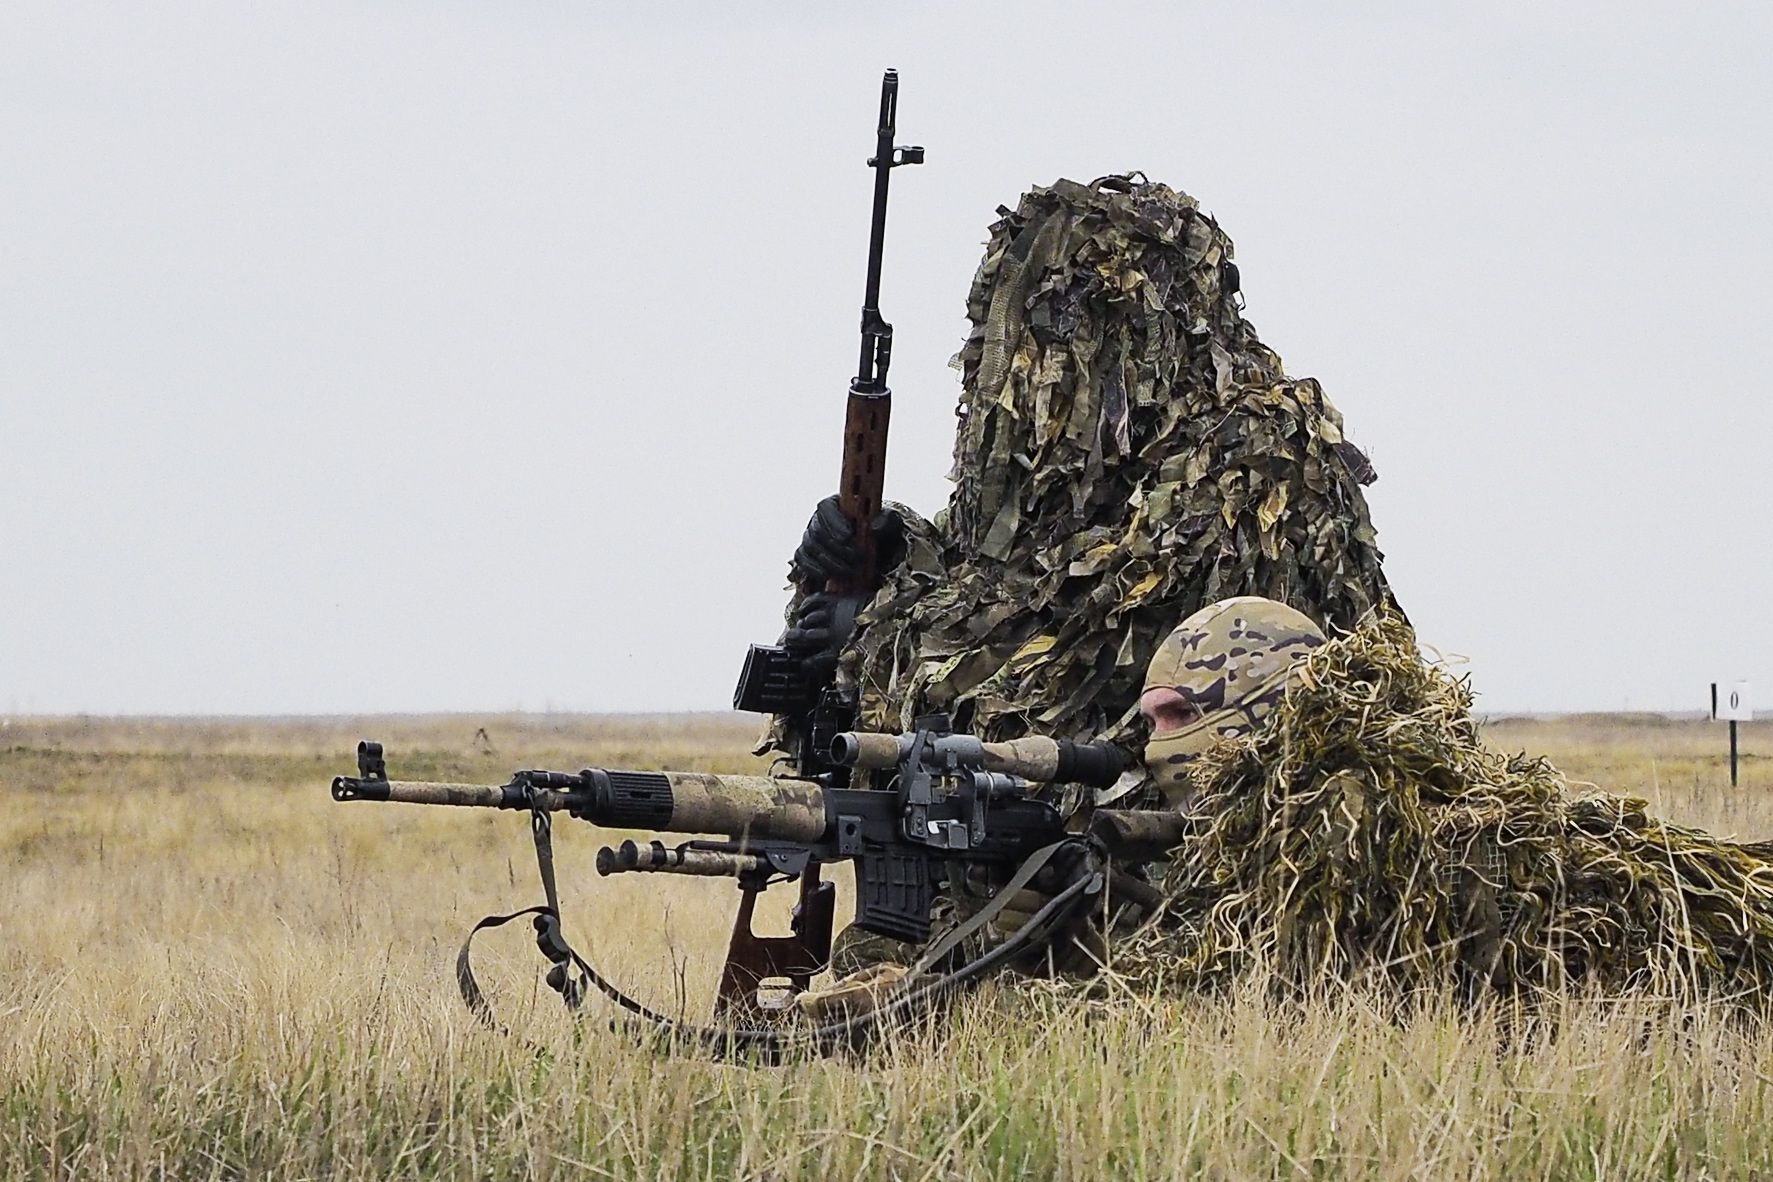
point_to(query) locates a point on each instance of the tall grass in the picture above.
(209, 970)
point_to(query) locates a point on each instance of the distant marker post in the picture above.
(1731, 703)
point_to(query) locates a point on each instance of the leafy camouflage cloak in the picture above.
(1128, 451)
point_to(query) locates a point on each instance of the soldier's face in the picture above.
(1167, 710)
(1179, 734)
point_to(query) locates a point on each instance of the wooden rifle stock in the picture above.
(860, 487)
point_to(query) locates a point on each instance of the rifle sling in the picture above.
(563, 958)
(995, 906)
(775, 1044)
(549, 938)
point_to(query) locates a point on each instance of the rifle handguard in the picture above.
(1053, 761)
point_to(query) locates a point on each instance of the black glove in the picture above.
(822, 625)
(828, 548)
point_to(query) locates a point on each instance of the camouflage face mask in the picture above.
(1216, 677)
(1168, 759)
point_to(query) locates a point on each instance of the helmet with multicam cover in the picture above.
(1216, 676)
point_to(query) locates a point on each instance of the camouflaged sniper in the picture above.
(1128, 452)
(1367, 833)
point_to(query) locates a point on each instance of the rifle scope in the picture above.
(1057, 761)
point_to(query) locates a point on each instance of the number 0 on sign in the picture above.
(1730, 702)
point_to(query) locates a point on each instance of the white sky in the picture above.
(445, 356)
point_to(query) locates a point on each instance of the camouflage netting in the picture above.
(1366, 832)
(1128, 452)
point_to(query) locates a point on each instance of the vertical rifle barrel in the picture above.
(862, 479)
(871, 369)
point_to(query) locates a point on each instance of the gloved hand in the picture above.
(821, 627)
(861, 992)
(1021, 908)
(828, 548)
(1078, 949)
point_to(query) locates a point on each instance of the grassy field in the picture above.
(210, 970)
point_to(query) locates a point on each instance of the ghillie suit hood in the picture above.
(1128, 452)
(1366, 833)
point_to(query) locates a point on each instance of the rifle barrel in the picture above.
(422, 792)
(671, 802)
(486, 796)
(870, 377)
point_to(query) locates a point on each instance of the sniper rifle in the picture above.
(949, 802)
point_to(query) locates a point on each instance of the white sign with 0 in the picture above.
(1730, 701)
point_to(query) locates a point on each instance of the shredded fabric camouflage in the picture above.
(1128, 452)
(1366, 833)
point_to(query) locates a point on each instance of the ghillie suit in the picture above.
(1367, 833)
(1128, 451)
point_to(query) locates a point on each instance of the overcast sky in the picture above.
(445, 356)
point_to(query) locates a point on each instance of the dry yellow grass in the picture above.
(212, 971)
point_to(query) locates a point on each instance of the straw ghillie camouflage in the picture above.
(1128, 452)
(1365, 832)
